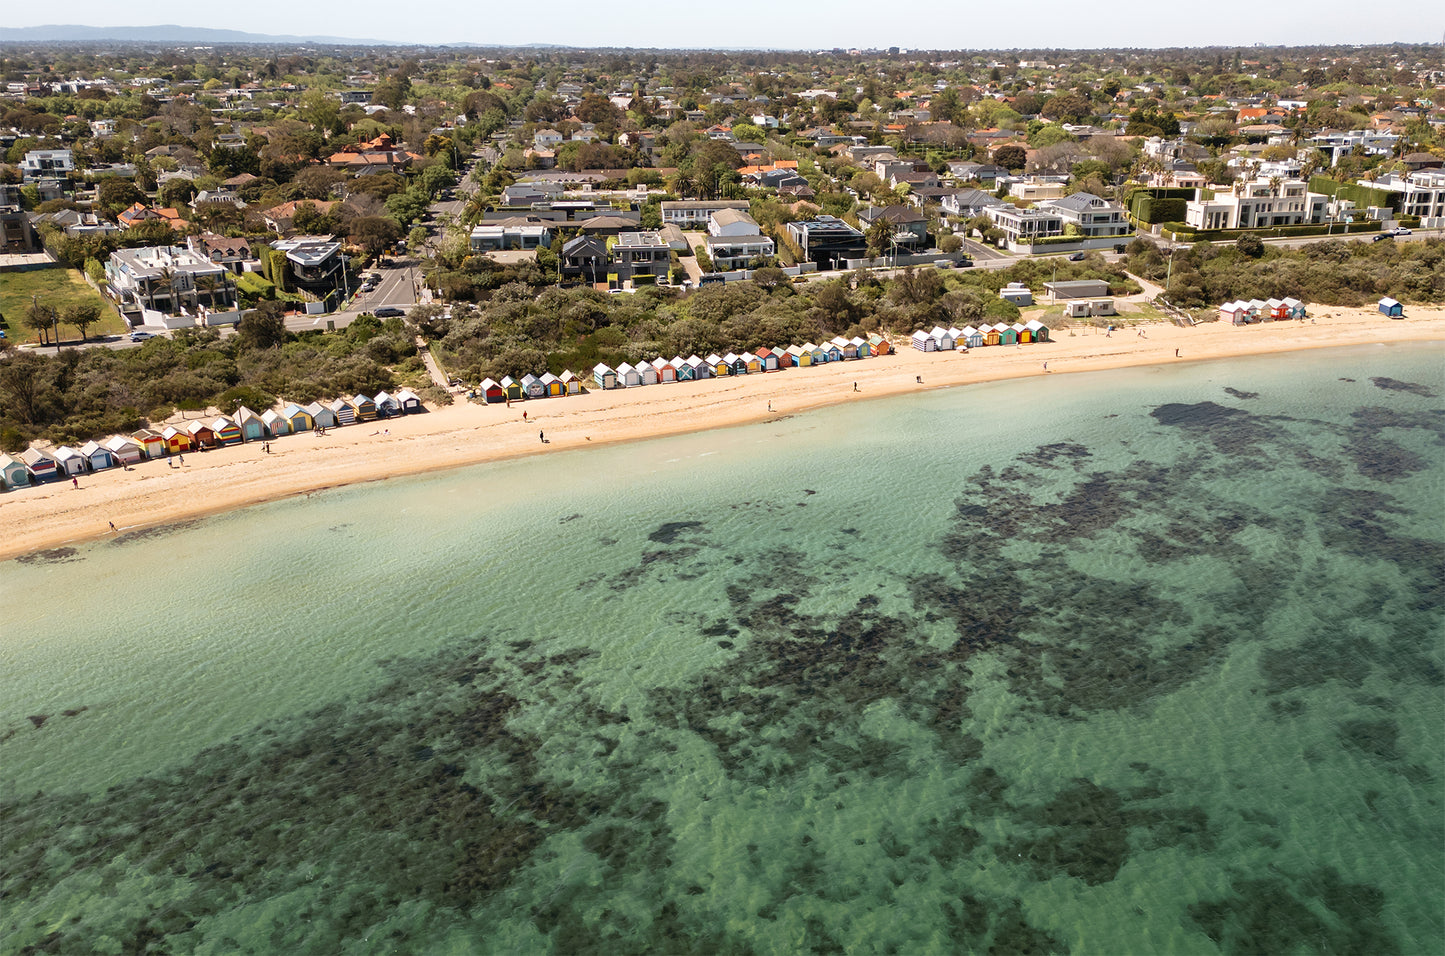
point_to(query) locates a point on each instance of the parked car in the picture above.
(389, 312)
(141, 336)
(1077, 257)
(1401, 231)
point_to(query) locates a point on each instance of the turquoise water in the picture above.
(1148, 661)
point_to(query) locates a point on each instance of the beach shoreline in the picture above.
(158, 492)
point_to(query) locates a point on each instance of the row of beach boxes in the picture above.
(679, 369)
(968, 337)
(35, 465)
(1257, 310)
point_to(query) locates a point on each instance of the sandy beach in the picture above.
(157, 492)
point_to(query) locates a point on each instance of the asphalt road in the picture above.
(397, 289)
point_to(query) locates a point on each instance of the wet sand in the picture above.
(155, 493)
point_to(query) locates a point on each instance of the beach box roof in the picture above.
(71, 461)
(13, 473)
(126, 449)
(40, 463)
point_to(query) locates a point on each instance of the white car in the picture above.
(1401, 231)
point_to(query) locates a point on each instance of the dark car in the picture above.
(389, 312)
(1077, 257)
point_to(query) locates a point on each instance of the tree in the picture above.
(41, 318)
(1250, 245)
(82, 315)
(321, 110)
(1011, 156)
(21, 383)
(115, 195)
(263, 327)
(770, 278)
(598, 110)
(1067, 108)
(877, 236)
(374, 233)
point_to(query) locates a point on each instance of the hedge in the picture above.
(1151, 209)
(1182, 232)
(1061, 240)
(1362, 196)
(253, 284)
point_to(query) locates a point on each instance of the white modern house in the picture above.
(1091, 215)
(166, 285)
(734, 239)
(691, 213)
(1259, 204)
(1423, 194)
(1026, 225)
(47, 164)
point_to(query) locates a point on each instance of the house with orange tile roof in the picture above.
(140, 213)
(280, 219)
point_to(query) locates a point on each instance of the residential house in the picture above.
(531, 191)
(908, 228)
(694, 213)
(640, 253)
(1260, 203)
(1025, 225)
(827, 241)
(1091, 216)
(734, 239)
(1036, 190)
(40, 164)
(981, 172)
(140, 213)
(233, 254)
(16, 236)
(313, 263)
(1422, 193)
(165, 281)
(584, 257)
(968, 203)
(380, 153)
(282, 219)
(518, 232)
(76, 223)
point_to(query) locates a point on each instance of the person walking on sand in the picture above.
(112, 525)
(770, 406)
(1046, 366)
(524, 414)
(855, 386)
(183, 459)
(1176, 353)
(542, 437)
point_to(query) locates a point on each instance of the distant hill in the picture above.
(168, 33)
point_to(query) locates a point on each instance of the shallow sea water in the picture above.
(1148, 661)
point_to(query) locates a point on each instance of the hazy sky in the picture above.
(787, 24)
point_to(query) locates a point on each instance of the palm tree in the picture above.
(208, 284)
(681, 184)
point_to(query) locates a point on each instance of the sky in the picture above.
(789, 24)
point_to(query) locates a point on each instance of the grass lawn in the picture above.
(57, 287)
